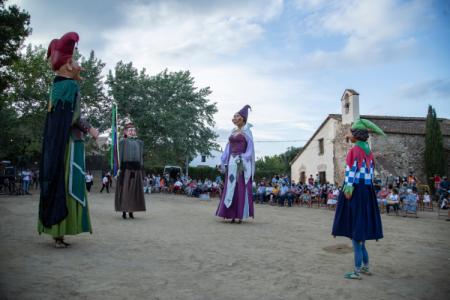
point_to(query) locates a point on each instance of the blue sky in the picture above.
(290, 60)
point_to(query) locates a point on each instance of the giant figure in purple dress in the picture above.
(239, 155)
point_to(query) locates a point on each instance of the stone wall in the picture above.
(400, 154)
(341, 148)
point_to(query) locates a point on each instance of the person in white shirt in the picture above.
(89, 181)
(177, 186)
(261, 192)
(148, 184)
(105, 184)
(25, 181)
(283, 193)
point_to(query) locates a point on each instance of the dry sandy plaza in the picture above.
(178, 249)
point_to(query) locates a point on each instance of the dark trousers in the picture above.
(284, 197)
(88, 186)
(105, 186)
(395, 206)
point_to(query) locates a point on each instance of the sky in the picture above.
(291, 60)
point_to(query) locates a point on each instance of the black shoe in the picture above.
(124, 216)
(131, 215)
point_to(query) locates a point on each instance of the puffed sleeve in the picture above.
(224, 158)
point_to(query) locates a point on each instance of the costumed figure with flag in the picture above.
(63, 204)
(237, 198)
(357, 214)
(129, 195)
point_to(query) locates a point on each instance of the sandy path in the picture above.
(180, 250)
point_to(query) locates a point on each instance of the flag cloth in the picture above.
(114, 143)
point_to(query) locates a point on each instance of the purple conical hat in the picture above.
(244, 111)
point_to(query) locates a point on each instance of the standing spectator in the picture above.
(264, 181)
(108, 175)
(36, 177)
(390, 181)
(317, 179)
(403, 192)
(381, 197)
(377, 184)
(412, 178)
(218, 178)
(30, 186)
(310, 180)
(397, 183)
(105, 184)
(280, 181)
(88, 177)
(323, 196)
(286, 179)
(158, 184)
(26, 181)
(274, 179)
(110, 178)
(443, 186)
(437, 180)
(413, 185)
(147, 184)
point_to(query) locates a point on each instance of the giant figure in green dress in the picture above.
(63, 203)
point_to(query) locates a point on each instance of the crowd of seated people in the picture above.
(288, 193)
(183, 185)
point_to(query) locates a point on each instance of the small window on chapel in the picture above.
(346, 105)
(321, 149)
(203, 158)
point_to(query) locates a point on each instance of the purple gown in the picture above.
(242, 206)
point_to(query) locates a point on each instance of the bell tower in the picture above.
(350, 106)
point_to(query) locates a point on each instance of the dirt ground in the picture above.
(178, 249)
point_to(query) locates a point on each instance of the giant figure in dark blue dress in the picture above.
(357, 213)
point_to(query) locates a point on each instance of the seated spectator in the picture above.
(381, 197)
(260, 193)
(410, 203)
(292, 194)
(283, 195)
(332, 197)
(305, 196)
(147, 185)
(269, 189)
(446, 204)
(393, 200)
(323, 195)
(275, 192)
(177, 186)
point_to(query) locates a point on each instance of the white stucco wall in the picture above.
(210, 161)
(310, 160)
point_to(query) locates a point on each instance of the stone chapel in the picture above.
(325, 152)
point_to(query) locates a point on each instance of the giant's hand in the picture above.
(94, 133)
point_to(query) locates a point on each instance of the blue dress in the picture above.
(359, 217)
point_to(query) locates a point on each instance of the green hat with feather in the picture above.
(364, 124)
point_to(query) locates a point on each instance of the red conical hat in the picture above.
(61, 50)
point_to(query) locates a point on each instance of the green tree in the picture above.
(273, 164)
(434, 148)
(95, 104)
(31, 78)
(23, 119)
(172, 117)
(14, 28)
(288, 156)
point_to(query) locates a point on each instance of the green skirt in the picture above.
(78, 220)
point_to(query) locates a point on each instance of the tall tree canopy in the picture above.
(23, 117)
(288, 156)
(14, 28)
(173, 118)
(434, 147)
